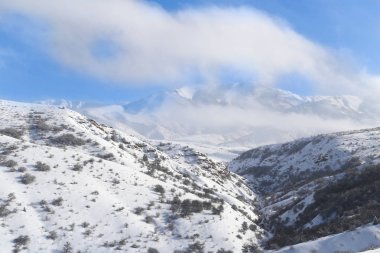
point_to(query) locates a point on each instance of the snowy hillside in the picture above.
(69, 184)
(316, 186)
(235, 117)
(364, 239)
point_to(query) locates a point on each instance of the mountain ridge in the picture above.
(316, 186)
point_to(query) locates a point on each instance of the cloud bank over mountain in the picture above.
(225, 119)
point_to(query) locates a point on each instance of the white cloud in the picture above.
(153, 44)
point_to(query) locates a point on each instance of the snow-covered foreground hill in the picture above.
(69, 184)
(315, 187)
(364, 239)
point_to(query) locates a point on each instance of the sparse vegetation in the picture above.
(67, 140)
(107, 156)
(9, 163)
(67, 248)
(77, 167)
(11, 132)
(20, 243)
(186, 207)
(347, 204)
(4, 207)
(152, 250)
(21, 169)
(251, 248)
(196, 247)
(222, 250)
(57, 201)
(42, 166)
(52, 235)
(139, 210)
(27, 178)
(158, 188)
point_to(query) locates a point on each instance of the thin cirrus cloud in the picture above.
(138, 42)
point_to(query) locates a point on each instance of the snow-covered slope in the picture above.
(235, 117)
(316, 186)
(364, 239)
(294, 161)
(68, 182)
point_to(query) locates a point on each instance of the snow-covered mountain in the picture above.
(247, 97)
(232, 118)
(315, 187)
(70, 184)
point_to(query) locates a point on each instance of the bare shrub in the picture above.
(21, 169)
(14, 133)
(222, 250)
(158, 188)
(152, 250)
(77, 167)
(68, 140)
(57, 202)
(138, 210)
(67, 248)
(108, 156)
(9, 163)
(20, 243)
(27, 178)
(52, 235)
(42, 166)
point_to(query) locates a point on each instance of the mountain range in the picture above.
(223, 121)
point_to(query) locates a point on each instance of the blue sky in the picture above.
(30, 69)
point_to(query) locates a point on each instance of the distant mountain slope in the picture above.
(315, 186)
(364, 239)
(70, 184)
(235, 117)
(290, 162)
